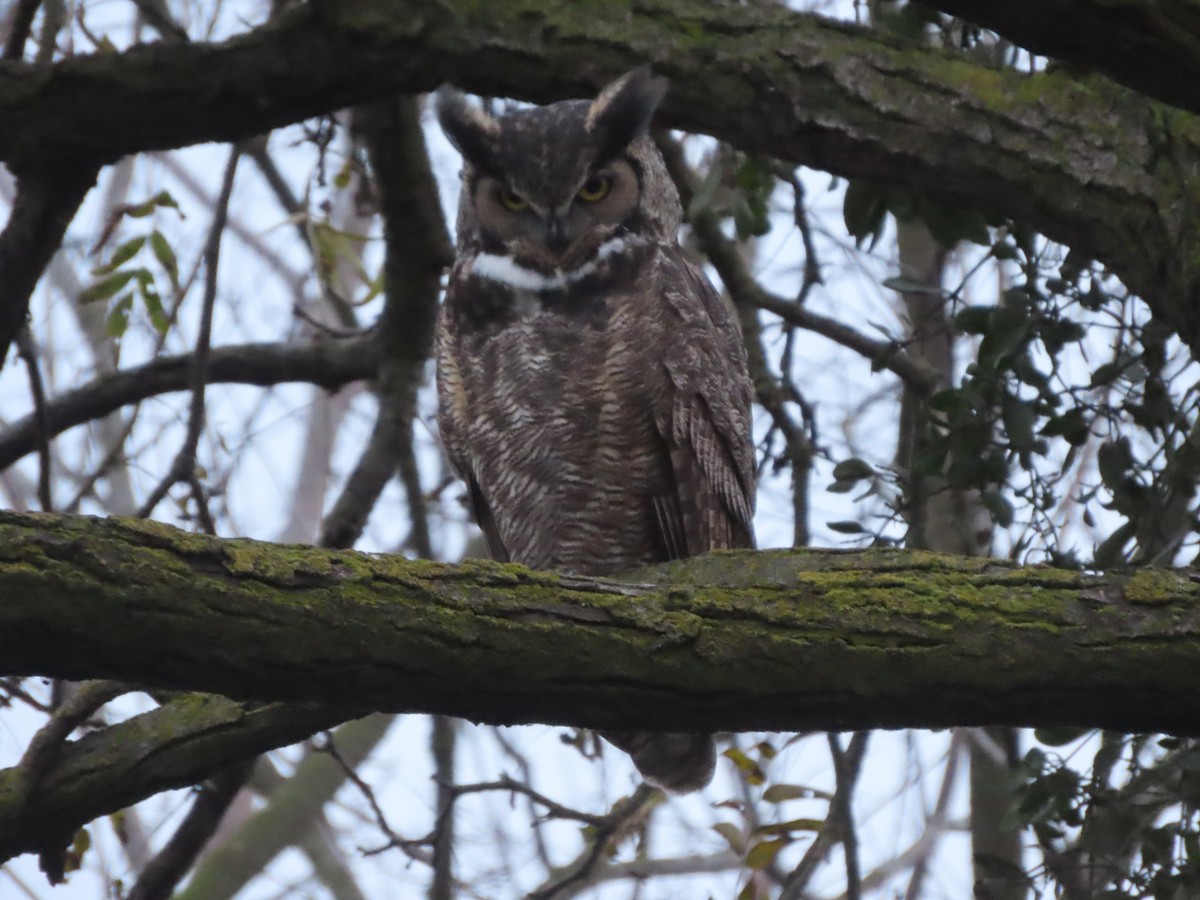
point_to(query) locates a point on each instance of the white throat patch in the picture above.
(504, 270)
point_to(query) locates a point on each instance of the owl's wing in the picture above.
(487, 524)
(453, 417)
(706, 423)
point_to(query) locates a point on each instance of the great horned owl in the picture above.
(592, 386)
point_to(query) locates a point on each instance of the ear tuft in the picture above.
(472, 131)
(623, 110)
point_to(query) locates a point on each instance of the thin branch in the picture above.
(330, 364)
(28, 353)
(644, 869)
(417, 249)
(114, 455)
(184, 466)
(923, 848)
(329, 746)
(43, 754)
(376, 464)
(162, 875)
(832, 831)
(606, 832)
(296, 211)
(845, 778)
(443, 740)
(22, 24)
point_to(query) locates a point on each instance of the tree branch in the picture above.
(46, 201)
(1150, 47)
(774, 641)
(1082, 160)
(174, 746)
(330, 364)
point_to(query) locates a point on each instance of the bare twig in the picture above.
(184, 467)
(326, 363)
(442, 741)
(22, 23)
(625, 815)
(160, 877)
(28, 353)
(329, 746)
(849, 835)
(925, 844)
(831, 831)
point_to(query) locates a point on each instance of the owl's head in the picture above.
(552, 187)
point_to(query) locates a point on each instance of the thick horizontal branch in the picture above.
(175, 746)
(329, 364)
(1082, 160)
(1153, 48)
(774, 640)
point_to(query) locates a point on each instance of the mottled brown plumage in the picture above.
(592, 386)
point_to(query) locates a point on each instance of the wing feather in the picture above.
(707, 428)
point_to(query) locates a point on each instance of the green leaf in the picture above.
(778, 793)
(1019, 418)
(845, 527)
(1004, 250)
(1107, 373)
(154, 307)
(853, 469)
(863, 209)
(733, 836)
(121, 255)
(106, 287)
(762, 854)
(947, 401)
(997, 504)
(80, 844)
(911, 286)
(790, 825)
(143, 209)
(753, 771)
(949, 224)
(1114, 459)
(117, 321)
(974, 319)
(165, 256)
(1007, 330)
(1070, 426)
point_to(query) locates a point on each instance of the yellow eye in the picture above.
(513, 201)
(595, 188)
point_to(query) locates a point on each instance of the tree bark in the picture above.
(175, 746)
(1082, 160)
(780, 640)
(1153, 48)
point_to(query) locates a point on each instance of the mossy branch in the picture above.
(1081, 159)
(175, 746)
(776, 640)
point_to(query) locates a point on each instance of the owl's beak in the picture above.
(556, 236)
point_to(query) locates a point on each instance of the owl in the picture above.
(592, 386)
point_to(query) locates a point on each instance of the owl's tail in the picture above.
(679, 762)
